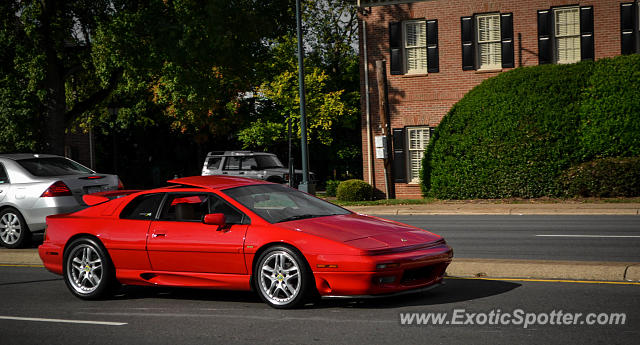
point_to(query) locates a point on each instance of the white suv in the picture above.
(256, 165)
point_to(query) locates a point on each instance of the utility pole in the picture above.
(383, 102)
(305, 185)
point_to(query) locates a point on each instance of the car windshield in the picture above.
(52, 166)
(268, 162)
(277, 203)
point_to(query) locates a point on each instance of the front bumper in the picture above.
(410, 271)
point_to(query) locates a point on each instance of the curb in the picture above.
(463, 267)
(545, 269)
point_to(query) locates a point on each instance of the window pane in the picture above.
(143, 207)
(416, 34)
(418, 140)
(415, 46)
(52, 166)
(232, 163)
(489, 28)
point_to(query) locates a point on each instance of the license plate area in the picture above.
(92, 189)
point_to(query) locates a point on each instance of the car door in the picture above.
(249, 167)
(179, 241)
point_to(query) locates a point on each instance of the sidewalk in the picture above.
(481, 208)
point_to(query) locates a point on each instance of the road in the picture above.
(183, 316)
(581, 238)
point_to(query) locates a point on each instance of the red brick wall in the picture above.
(425, 99)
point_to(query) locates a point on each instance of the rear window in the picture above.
(52, 166)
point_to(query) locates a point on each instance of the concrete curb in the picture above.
(545, 269)
(462, 267)
(455, 208)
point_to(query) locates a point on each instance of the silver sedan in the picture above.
(33, 186)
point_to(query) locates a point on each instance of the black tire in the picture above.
(87, 270)
(282, 278)
(14, 231)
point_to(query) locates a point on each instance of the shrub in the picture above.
(515, 134)
(606, 177)
(332, 187)
(354, 190)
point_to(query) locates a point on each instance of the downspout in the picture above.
(370, 162)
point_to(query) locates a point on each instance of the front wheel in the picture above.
(87, 269)
(282, 278)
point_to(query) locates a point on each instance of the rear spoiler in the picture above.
(99, 198)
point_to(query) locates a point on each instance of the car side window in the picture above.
(3, 175)
(143, 207)
(231, 214)
(185, 207)
(232, 163)
(249, 162)
(214, 163)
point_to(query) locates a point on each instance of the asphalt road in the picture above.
(581, 238)
(185, 316)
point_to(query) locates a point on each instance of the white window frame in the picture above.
(494, 44)
(572, 38)
(418, 47)
(415, 153)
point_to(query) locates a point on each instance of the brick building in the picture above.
(438, 50)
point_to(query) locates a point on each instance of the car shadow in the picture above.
(453, 290)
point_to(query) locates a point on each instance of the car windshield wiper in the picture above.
(299, 216)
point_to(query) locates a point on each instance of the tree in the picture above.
(332, 84)
(185, 59)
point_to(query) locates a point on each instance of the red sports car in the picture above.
(240, 234)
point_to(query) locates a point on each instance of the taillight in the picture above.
(57, 189)
(120, 184)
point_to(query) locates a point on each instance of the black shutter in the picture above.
(468, 43)
(506, 36)
(586, 33)
(545, 43)
(395, 47)
(433, 59)
(399, 160)
(628, 27)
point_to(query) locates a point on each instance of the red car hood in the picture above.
(363, 232)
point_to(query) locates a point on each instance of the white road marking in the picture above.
(592, 236)
(104, 323)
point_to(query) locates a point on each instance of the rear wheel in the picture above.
(282, 278)
(88, 271)
(14, 232)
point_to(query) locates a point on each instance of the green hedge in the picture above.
(354, 190)
(606, 177)
(332, 187)
(515, 135)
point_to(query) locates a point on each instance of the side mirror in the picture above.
(215, 219)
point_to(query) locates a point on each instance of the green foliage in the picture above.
(605, 177)
(354, 190)
(183, 60)
(332, 187)
(332, 91)
(515, 134)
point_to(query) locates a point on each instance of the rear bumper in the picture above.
(51, 256)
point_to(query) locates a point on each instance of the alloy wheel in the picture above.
(84, 269)
(10, 228)
(280, 278)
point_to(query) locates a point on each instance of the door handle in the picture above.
(158, 235)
